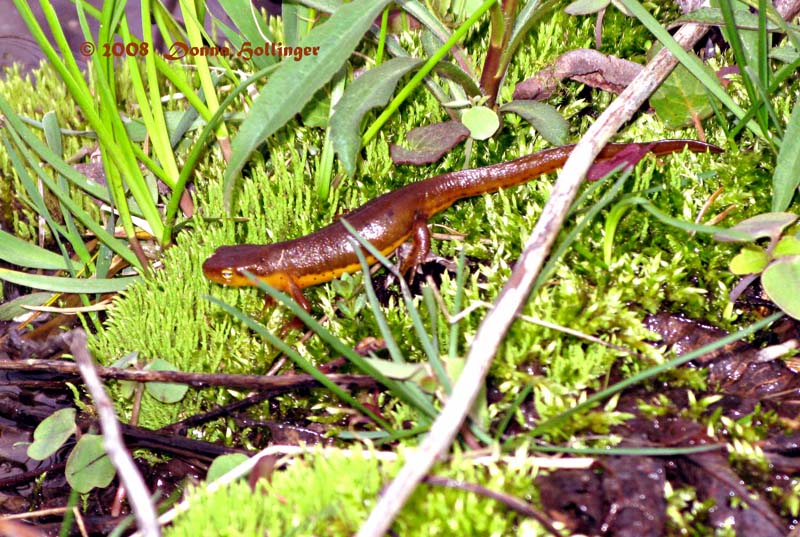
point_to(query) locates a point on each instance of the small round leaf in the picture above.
(166, 392)
(788, 245)
(88, 466)
(482, 122)
(750, 260)
(51, 433)
(224, 464)
(780, 280)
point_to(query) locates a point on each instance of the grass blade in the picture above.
(58, 284)
(24, 254)
(787, 170)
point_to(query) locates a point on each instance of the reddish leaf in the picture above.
(429, 143)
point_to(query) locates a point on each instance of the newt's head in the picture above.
(229, 263)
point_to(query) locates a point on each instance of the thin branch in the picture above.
(279, 383)
(138, 494)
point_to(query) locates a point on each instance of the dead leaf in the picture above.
(583, 65)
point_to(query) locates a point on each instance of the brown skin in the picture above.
(389, 220)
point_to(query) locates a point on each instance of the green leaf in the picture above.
(88, 466)
(453, 72)
(784, 54)
(780, 276)
(12, 309)
(25, 254)
(51, 433)
(420, 374)
(127, 388)
(750, 260)
(586, 7)
(52, 132)
(224, 464)
(294, 82)
(316, 113)
(788, 245)
(713, 15)
(481, 121)
(166, 392)
(372, 89)
(681, 99)
(545, 119)
(787, 170)
(758, 227)
(58, 284)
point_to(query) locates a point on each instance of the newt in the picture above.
(389, 220)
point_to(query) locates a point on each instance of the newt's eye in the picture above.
(227, 274)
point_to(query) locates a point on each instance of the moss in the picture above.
(311, 498)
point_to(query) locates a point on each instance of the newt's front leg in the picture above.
(420, 247)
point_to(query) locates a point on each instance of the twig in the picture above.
(279, 383)
(138, 495)
(515, 293)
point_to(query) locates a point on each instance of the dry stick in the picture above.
(276, 383)
(517, 289)
(138, 495)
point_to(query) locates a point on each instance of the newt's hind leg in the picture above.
(420, 247)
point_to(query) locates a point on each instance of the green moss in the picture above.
(311, 498)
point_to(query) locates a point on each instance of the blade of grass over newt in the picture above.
(432, 354)
(649, 373)
(414, 389)
(397, 389)
(391, 343)
(419, 328)
(304, 364)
